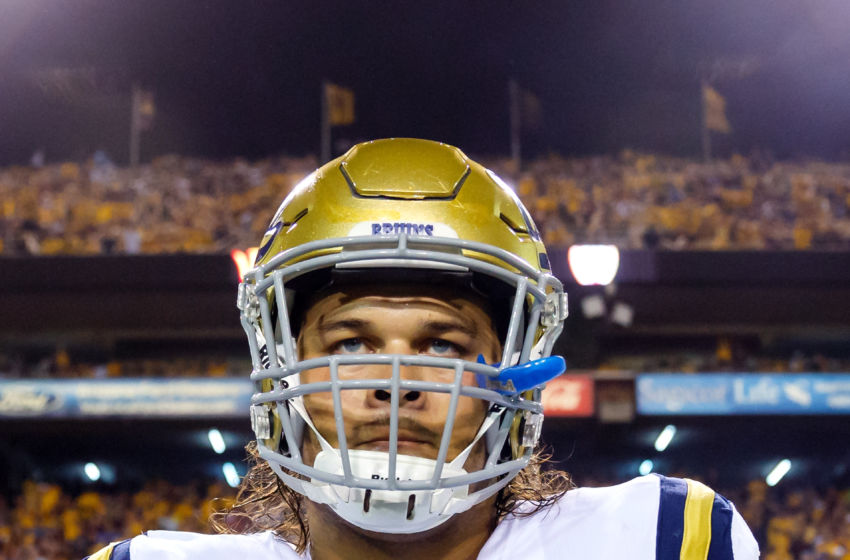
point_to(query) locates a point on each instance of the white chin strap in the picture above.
(393, 511)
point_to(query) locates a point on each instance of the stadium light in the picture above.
(594, 264)
(645, 467)
(92, 472)
(665, 437)
(230, 474)
(779, 471)
(244, 260)
(216, 441)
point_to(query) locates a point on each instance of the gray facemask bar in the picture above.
(393, 385)
(391, 248)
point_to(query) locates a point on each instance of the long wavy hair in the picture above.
(265, 503)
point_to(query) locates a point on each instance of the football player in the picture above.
(401, 317)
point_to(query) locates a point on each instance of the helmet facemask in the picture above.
(389, 491)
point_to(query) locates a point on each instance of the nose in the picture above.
(381, 398)
(405, 396)
(411, 400)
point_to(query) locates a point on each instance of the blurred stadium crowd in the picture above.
(729, 356)
(46, 523)
(796, 522)
(651, 202)
(177, 204)
(174, 205)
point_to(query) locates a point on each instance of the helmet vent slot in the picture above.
(513, 225)
(297, 217)
(367, 501)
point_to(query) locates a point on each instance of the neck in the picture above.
(460, 538)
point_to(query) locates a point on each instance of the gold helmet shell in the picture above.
(404, 185)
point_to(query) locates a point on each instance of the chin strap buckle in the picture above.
(555, 309)
(260, 423)
(247, 301)
(533, 425)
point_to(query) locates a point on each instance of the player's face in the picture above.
(409, 320)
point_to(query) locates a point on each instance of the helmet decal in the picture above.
(380, 227)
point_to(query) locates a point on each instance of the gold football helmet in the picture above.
(421, 210)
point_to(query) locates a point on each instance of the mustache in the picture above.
(405, 424)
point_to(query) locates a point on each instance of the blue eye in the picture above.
(350, 346)
(440, 346)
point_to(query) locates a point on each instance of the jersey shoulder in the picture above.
(168, 545)
(696, 522)
(648, 518)
(588, 523)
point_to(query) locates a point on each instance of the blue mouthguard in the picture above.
(517, 379)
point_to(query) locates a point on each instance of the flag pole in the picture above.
(513, 94)
(134, 127)
(325, 151)
(706, 134)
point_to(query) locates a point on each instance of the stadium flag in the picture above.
(714, 110)
(339, 103)
(337, 109)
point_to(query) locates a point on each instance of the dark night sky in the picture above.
(242, 78)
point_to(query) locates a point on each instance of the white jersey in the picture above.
(649, 518)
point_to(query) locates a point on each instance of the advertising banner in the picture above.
(724, 393)
(126, 398)
(569, 395)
